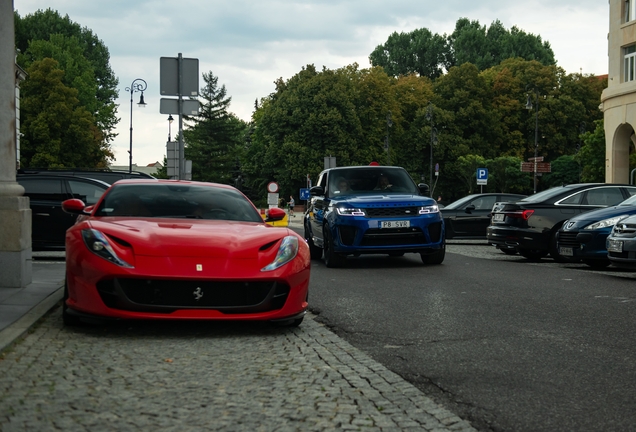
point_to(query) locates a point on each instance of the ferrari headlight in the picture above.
(286, 252)
(429, 209)
(606, 223)
(347, 211)
(97, 243)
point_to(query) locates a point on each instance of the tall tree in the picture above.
(212, 139)
(54, 36)
(58, 131)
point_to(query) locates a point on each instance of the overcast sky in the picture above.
(250, 44)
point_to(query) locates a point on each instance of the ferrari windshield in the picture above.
(177, 201)
(349, 181)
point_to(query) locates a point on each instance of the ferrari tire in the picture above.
(533, 254)
(332, 259)
(314, 251)
(67, 318)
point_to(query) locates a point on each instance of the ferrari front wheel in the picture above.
(67, 318)
(314, 251)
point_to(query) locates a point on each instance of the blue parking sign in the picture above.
(482, 173)
(304, 194)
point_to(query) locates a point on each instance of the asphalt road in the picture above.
(507, 344)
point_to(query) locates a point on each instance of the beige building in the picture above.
(618, 101)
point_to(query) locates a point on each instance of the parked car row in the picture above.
(571, 223)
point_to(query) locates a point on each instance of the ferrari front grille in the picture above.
(164, 295)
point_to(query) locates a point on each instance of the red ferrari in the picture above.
(167, 249)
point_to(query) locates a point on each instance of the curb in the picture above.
(16, 330)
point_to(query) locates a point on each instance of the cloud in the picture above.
(250, 44)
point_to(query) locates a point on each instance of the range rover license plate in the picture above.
(566, 251)
(395, 224)
(615, 245)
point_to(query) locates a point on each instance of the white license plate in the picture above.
(395, 224)
(498, 217)
(565, 251)
(615, 246)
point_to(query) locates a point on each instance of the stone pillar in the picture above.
(15, 214)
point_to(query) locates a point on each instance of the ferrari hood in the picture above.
(191, 238)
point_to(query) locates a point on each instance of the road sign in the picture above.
(171, 106)
(169, 77)
(272, 187)
(482, 176)
(542, 167)
(538, 159)
(304, 194)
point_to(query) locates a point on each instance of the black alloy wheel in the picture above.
(332, 259)
(436, 257)
(509, 251)
(533, 254)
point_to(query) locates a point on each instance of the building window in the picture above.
(630, 65)
(630, 10)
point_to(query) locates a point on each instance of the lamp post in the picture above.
(578, 145)
(389, 123)
(134, 87)
(429, 117)
(170, 120)
(536, 130)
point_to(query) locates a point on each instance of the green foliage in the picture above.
(428, 54)
(505, 175)
(592, 155)
(57, 131)
(564, 170)
(80, 53)
(213, 139)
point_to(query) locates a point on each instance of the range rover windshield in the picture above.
(368, 181)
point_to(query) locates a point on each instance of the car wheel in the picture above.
(436, 257)
(532, 254)
(332, 259)
(314, 251)
(509, 251)
(67, 318)
(597, 264)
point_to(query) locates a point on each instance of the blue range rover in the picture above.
(372, 210)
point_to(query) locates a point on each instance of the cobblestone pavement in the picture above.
(204, 376)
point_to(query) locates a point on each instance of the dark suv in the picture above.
(371, 210)
(530, 225)
(108, 176)
(46, 193)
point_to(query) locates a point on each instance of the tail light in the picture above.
(520, 214)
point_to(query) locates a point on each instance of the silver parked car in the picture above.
(621, 243)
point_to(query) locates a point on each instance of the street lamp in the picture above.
(536, 130)
(389, 123)
(134, 87)
(170, 120)
(429, 117)
(578, 145)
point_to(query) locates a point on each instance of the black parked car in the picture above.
(108, 176)
(530, 225)
(468, 217)
(46, 193)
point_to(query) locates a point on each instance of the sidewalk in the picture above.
(20, 308)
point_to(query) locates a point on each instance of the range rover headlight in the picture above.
(429, 209)
(347, 211)
(606, 223)
(287, 251)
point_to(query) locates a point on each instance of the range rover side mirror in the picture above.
(316, 191)
(424, 189)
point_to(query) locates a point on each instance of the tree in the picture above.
(592, 155)
(46, 34)
(58, 131)
(213, 138)
(505, 175)
(564, 170)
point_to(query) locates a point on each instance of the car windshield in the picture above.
(631, 201)
(383, 180)
(460, 202)
(544, 195)
(177, 201)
